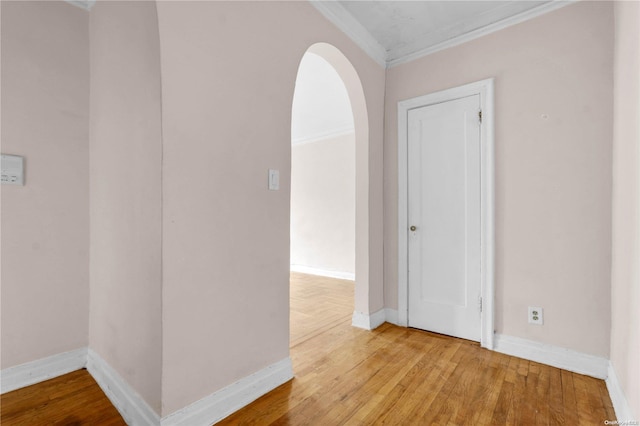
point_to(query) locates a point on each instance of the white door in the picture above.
(444, 218)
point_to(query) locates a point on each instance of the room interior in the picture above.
(146, 246)
(322, 173)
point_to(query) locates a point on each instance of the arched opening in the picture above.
(322, 173)
(349, 141)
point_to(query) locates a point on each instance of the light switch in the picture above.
(12, 169)
(274, 179)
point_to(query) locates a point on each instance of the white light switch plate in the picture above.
(12, 169)
(274, 179)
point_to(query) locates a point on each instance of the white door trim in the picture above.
(483, 88)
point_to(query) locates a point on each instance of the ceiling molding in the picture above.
(458, 27)
(341, 18)
(472, 35)
(83, 4)
(322, 136)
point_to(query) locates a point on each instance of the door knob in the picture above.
(413, 228)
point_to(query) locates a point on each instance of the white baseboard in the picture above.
(554, 356)
(131, 406)
(619, 401)
(391, 316)
(323, 272)
(37, 371)
(228, 400)
(368, 322)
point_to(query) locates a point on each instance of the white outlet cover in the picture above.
(536, 315)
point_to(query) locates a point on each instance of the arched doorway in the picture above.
(353, 86)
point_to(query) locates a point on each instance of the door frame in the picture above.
(484, 88)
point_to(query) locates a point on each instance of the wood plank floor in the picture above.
(400, 376)
(74, 399)
(347, 376)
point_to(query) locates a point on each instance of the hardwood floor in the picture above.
(394, 375)
(318, 304)
(348, 376)
(71, 400)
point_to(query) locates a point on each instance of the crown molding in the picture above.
(401, 56)
(324, 135)
(340, 17)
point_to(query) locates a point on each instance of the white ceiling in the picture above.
(321, 106)
(393, 32)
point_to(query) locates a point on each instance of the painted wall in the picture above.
(321, 106)
(126, 193)
(553, 96)
(323, 208)
(226, 121)
(625, 274)
(45, 224)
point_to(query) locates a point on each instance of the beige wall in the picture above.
(553, 175)
(323, 208)
(227, 117)
(199, 223)
(45, 224)
(126, 194)
(226, 121)
(625, 277)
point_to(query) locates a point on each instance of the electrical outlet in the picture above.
(535, 315)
